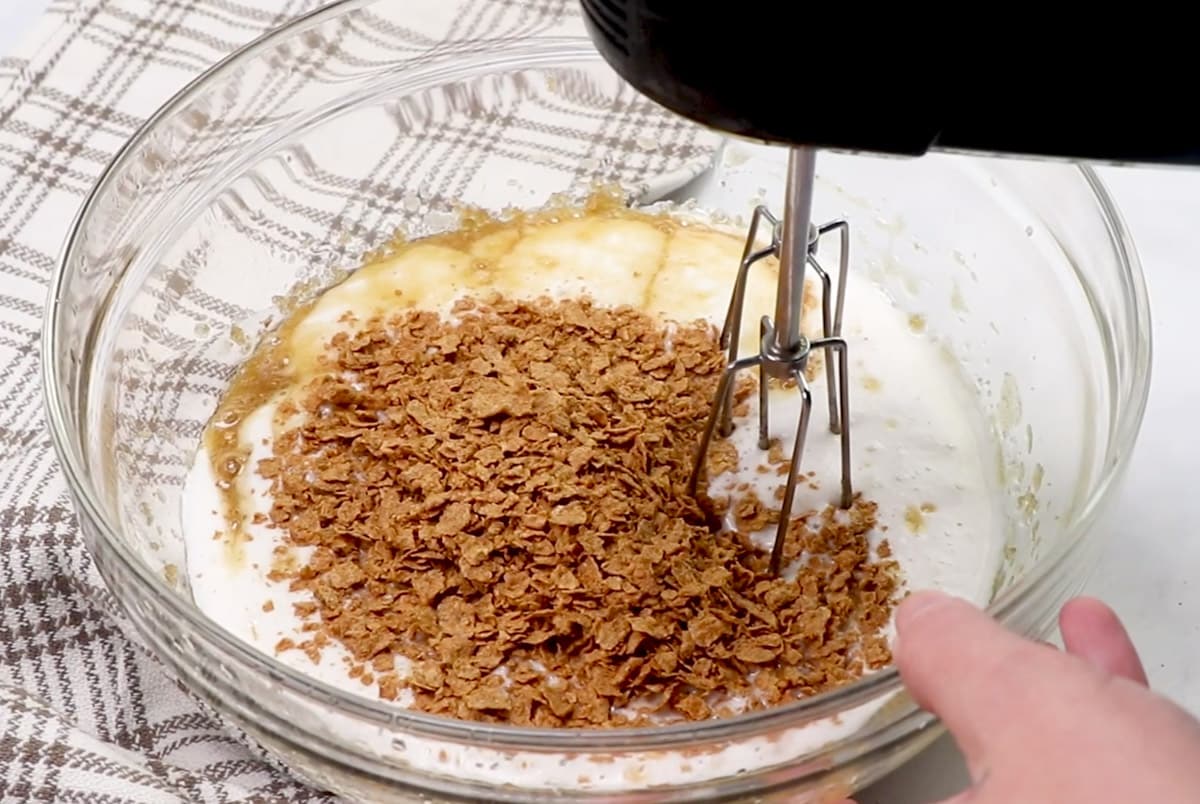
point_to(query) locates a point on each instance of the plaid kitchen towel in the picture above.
(86, 714)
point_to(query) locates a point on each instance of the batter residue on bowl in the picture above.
(457, 481)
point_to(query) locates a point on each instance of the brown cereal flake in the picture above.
(389, 686)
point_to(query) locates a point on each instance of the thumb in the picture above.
(976, 676)
(1092, 631)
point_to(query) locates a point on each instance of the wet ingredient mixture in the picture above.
(457, 482)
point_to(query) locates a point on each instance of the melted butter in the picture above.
(680, 271)
(613, 261)
(260, 380)
(1008, 410)
(424, 275)
(914, 518)
(697, 274)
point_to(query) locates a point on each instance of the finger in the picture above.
(1093, 632)
(964, 667)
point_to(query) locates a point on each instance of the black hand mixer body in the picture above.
(755, 70)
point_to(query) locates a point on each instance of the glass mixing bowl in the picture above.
(286, 164)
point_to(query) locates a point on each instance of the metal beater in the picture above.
(784, 349)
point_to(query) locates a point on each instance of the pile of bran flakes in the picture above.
(501, 500)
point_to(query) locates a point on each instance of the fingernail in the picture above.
(919, 602)
(910, 608)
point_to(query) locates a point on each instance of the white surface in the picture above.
(1147, 573)
(16, 18)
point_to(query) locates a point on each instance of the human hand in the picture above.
(1037, 724)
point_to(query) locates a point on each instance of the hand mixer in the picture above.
(730, 71)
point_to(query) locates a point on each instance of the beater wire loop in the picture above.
(783, 353)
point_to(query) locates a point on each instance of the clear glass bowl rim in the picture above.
(1131, 404)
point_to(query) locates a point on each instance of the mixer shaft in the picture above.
(783, 348)
(795, 245)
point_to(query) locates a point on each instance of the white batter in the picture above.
(919, 450)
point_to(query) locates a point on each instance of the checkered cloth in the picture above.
(86, 714)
